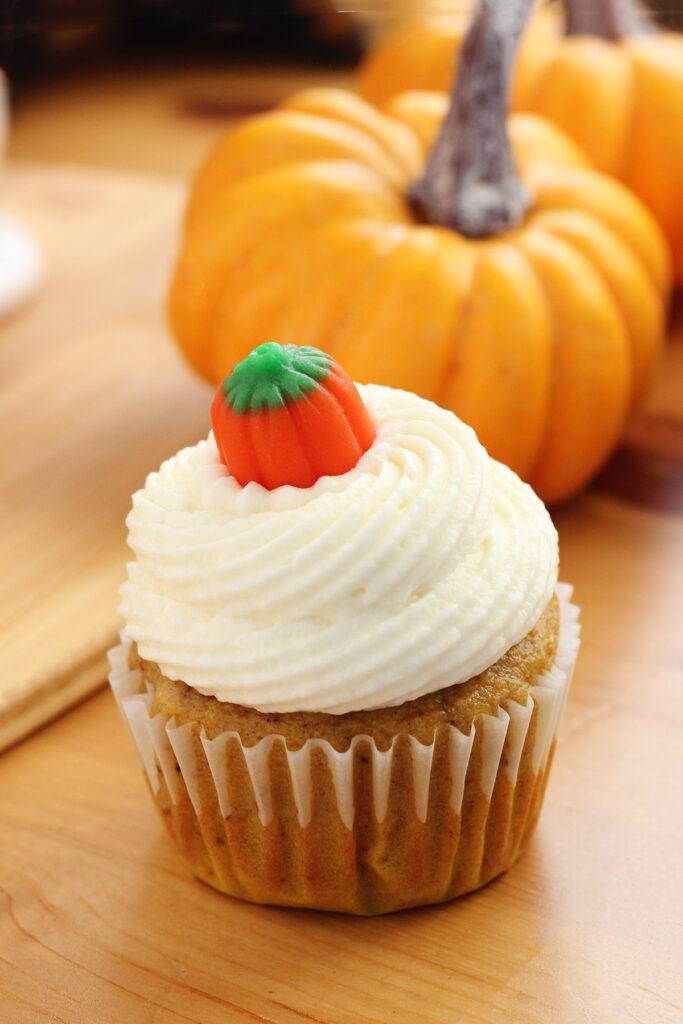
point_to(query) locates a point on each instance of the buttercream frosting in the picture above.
(415, 570)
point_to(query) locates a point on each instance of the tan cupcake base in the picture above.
(364, 831)
(373, 868)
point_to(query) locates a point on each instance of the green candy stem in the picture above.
(273, 376)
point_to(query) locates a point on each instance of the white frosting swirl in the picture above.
(417, 569)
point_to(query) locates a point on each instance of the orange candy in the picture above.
(289, 415)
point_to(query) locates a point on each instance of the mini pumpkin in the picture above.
(423, 53)
(532, 307)
(615, 85)
(611, 82)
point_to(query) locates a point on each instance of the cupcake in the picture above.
(346, 653)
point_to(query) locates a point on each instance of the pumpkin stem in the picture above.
(470, 183)
(608, 19)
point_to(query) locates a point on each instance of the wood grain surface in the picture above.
(100, 923)
(149, 115)
(92, 396)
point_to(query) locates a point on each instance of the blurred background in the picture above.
(87, 76)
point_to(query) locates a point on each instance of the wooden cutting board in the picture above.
(92, 396)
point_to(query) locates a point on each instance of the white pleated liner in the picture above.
(159, 739)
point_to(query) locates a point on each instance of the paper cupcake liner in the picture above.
(365, 830)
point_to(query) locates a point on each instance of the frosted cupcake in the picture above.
(346, 653)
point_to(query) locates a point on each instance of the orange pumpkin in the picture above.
(615, 86)
(423, 54)
(533, 139)
(534, 309)
(611, 84)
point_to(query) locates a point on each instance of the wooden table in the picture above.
(101, 924)
(149, 115)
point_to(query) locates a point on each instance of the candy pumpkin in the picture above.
(615, 85)
(289, 414)
(532, 307)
